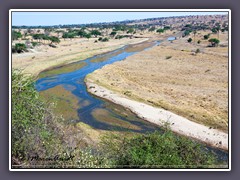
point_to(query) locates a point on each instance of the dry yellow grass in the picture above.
(44, 57)
(172, 77)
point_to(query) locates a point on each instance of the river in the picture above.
(96, 112)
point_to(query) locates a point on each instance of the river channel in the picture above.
(93, 111)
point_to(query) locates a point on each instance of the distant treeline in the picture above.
(109, 24)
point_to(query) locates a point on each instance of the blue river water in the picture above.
(74, 82)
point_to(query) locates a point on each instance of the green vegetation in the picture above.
(160, 30)
(95, 33)
(119, 37)
(187, 32)
(199, 41)
(130, 31)
(189, 40)
(206, 36)
(151, 29)
(37, 138)
(68, 35)
(34, 44)
(103, 39)
(214, 42)
(197, 51)
(19, 48)
(214, 30)
(54, 39)
(16, 35)
(113, 33)
(156, 150)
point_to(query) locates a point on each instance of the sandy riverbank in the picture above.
(160, 117)
(172, 77)
(68, 51)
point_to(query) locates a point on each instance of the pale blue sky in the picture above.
(56, 18)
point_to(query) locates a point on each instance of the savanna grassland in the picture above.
(188, 76)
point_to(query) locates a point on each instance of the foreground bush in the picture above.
(37, 141)
(157, 151)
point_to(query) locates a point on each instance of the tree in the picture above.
(38, 36)
(113, 33)
(88, 36)
(151, 29)
(214, 30)
(54, 39)
(130, 31)
(81, 33)
(214, 42)
(160, 30)
(187, 32)
(206, 36)
(95, 33)
(189, 40)
(19, 48)
(16, 35)
(68, 35)
(166, 27)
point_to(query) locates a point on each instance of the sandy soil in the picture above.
(171, 76)
(44, 57)
(160, 117)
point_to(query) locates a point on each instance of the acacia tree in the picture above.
(16, 35)
(194, 33)
(113, 33)
(214, 42)
(160, 30)
(95, 33)
(54, 39)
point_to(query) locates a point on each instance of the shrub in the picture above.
(168, 57)
(16, 35)
(189, 40)
(156, 150)
(197, 51)
(206, 36)
(105, 39)
(214, 42)
(198, 41)
(37, 138)
(19, 48)
(34, 44)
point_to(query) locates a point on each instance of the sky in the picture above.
(57, 18)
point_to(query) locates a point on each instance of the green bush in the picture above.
(34, 44)
(105, 39)
(214, 42)
(189, 40)
(16, 35)
(156, 150)
(19, 48)
(37, 135)
(206, 36)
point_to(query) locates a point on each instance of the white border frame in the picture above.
(123, 10)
